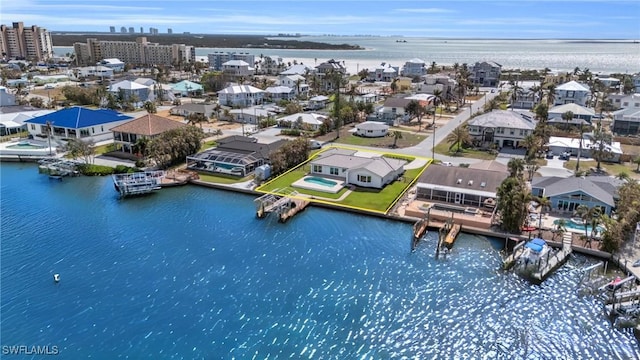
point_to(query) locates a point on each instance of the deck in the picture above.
(138, 183)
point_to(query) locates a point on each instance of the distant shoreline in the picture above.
(204, 40)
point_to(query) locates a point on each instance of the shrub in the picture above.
(122, 169)
(140, 163)
(290, 132)
(93, 170)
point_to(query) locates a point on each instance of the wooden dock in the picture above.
(554, 262)
(285, 205)
(452, 235)
(512, 259)
(419, 230)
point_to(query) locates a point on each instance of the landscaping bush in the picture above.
(122, 169)
(290, 132)
(95, 170)
(140, 163)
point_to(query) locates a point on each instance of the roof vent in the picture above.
(470, 182)
(459, 181)
(483, 184)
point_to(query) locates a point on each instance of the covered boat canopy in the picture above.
(536, 244)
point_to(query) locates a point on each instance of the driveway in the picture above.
(555, 168)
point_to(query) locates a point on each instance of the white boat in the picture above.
(56, 278)
(534, 251)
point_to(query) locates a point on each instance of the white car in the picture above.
(446, 163)
(50, 86)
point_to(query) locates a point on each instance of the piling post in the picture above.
(606, 264)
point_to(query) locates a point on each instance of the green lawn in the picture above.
(611, 168)
(208, 145)
(363, 198)
(443, 149)
(407, 140)
(222, 179)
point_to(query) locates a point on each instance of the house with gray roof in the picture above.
(280, 93)
(566, 194)
(393, 109)
(579, 113)
(626, 121)
(460, 186)
(572, 92)
(414, 68)
(486, 73)
(372, 129)
(355, 169)
(502, 127)
(194, 108)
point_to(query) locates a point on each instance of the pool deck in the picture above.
(302, 184)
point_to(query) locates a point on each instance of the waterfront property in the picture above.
(566, 194)
(372, 129)
(414, 68)
(26, 148)
(319, 183)
(326, 72)
(383, 72)
(460, 186)
(526, 98)
(146, 127)
(235, 155)
(356, 169)
(77, 123)
(626, 121)
(502, 127)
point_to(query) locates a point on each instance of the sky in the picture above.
(555, 19)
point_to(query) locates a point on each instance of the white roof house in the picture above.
(127, 85)
(503, 119)
(558, 145)
(298, 69)
(242, 95)
(573, 86)
(311, 120)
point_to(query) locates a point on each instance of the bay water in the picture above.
(190, 273)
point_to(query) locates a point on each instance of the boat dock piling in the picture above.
(555, 261)
(285, 206)
(447, 235)
(420, 228)
(512, 259)
(58, 168)
(138, 183)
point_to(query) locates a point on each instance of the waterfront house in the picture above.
(559, 145)
(186, 88)
(486, 74)
(624, 101)
(207, 110)
(372, 129)
(12, 118)
(318, 102)
(566, 194)
(148, 127)
(270, 65)
(414, 68)
(240, 95)
(127, 89)
(502, 127)
(610, 82)
(579, 112)
(626, 121)
(383, 72)
(235, 155)
(460, 186)
(218, 58)
(279, 93)
(572, 92)
(372, 172)
(77, 123)
(238, 69)
(309, 121)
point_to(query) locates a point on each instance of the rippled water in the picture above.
(191, 273)
(558, 55)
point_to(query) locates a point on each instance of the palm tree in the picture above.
(438, 99)
(560, 228)
(567, 116)
(551, 94)
(196, 118)
(581, 130)
(516, 167)
(544, 204)
(536, 90)
(459, 137)
(602, 140)
(516, 91)
(414, 108)
(531, 144)
(636, 160)
(396, 135)
(582, 211)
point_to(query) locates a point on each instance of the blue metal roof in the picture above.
(79, 117)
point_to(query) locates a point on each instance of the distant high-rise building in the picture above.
(123, 30)
(218, 58)
(112, 29)
(139, 52)
(132, 30)
(141, 30)
(153, 31)
(31, 43)
(169, 31)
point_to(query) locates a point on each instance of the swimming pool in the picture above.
(576, 227)
(25, 145)
(320, 181)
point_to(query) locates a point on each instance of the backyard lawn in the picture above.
(222, 179)
(611, 168)
(443, 149)
(408, 140)
(378, 200)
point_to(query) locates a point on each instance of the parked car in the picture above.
(49, 86)
(314, 144)
(550, 155)
(565, 156)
